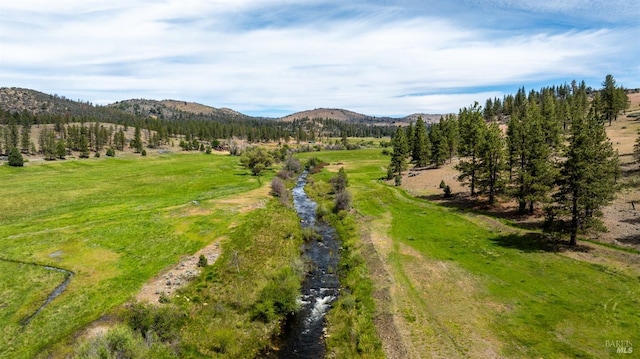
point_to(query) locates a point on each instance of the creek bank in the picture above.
(303, 332)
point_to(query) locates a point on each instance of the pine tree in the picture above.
(399, 156)
(439, 146)
(472, 128)
(492, 162)
(61, 149)
(25, 138)
(421, 147)
(120, 140)
(137, 140)
(530, 156)
(450, 131)
(83, 146)
(614, 99)
(47, 141)
(588, 175)
(409, 134)
(15, 157)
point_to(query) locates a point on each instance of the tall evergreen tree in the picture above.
(61, 149)
(421, 146)
(47, 141)
(614, 99)
(492, 162)
(472, 127)
(120, 140)
(439, 146)
(588, 175)
(83, 146)
(399, 156)
(532, 172)
(137, 140)
(409, 134)
(450, 130)
(25, 138)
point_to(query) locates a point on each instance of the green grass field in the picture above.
(459, 285)
(114, 222)
(463, 289)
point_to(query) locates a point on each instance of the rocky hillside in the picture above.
(19, 99)
(35, 102)
(354, 117)
(174, 109)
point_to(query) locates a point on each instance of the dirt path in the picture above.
(167, 282)
(376, 248)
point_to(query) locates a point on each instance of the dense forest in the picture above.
(84, 127)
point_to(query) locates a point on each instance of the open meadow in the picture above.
(114, 222)
(435, 280)
(450, 283)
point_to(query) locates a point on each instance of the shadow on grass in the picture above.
(630, 239)
(537, 242)
(466, 204)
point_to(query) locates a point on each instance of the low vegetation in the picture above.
(462, 288)
(114, 222)
(418, 279)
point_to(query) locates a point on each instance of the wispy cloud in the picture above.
(275, 56)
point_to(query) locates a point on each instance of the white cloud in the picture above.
(376, 63)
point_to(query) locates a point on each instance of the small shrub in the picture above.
(97, 155)
(322, 211)
(278, 297)
(15, 158)
(340, 181)
(202, 261)
(164, 298)
(146, 319)
(143, 153)
(285, 174)
(278, 188)
(293, 165)
(111, 152)
(309, 234)
(342, 201)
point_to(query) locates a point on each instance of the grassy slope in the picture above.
(114, 222)
(260, 265)
(464, 290)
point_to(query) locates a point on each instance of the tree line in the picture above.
(16, 127)
(544, 148)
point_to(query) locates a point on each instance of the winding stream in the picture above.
(53, 295)
(303, 334)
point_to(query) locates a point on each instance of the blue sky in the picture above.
(276, 57)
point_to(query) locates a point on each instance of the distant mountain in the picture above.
(175, 109)
(35, 102)
(19, 99)
(331, 113)
(354, 117)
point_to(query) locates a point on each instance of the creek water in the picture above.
(303, 333)
(53, 295)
